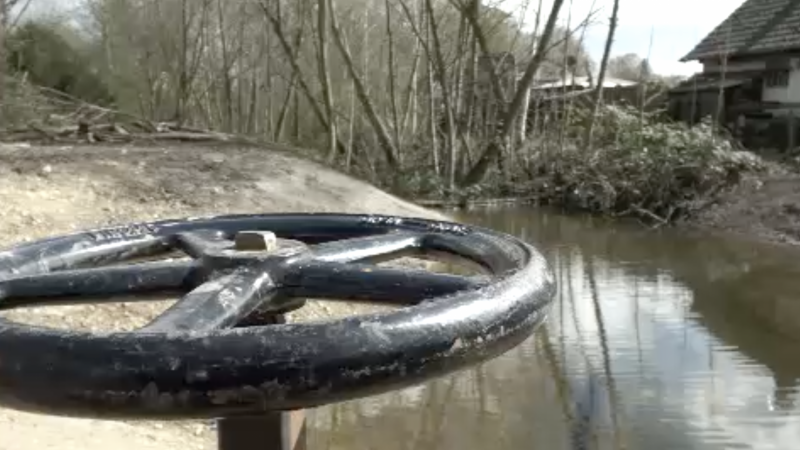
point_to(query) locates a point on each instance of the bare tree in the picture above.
(523, 123)
(441, 74)
(293, 55)
(432, 128)
(629, 66)
(4, 8)
(422, 30)
(365, 69)
(472, 11)
(190, 52)
(392, 75)
(498, 143)
(379, 128)
(324, 75)
(411, 101)
(215, 64)
(601, 76)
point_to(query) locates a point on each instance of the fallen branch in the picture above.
(115, 132)
(660, 221)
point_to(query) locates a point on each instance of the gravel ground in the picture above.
(51, 190)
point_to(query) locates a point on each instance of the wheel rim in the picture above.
(192, 361)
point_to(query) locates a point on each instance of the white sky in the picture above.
(676, 26)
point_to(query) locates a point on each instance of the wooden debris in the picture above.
(78, 122)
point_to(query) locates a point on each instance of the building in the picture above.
(579, 83)
(751, 68)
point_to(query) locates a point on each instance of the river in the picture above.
(658, 340)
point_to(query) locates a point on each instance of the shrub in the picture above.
(45, 57)
(640, 166)
(22, 104)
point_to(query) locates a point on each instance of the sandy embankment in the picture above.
(51, 190)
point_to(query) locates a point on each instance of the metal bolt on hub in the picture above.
(223, 350)
(256, 241)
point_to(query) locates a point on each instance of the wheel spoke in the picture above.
(72, 254)
(90, 285)
(218, 303)
(197, 243)
(371, 248)
(372, 283)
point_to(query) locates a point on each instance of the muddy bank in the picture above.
(766, 209)
(52, 190)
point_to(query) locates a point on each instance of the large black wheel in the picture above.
(198, 359)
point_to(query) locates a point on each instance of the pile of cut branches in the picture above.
(114, 132)
(41, 115)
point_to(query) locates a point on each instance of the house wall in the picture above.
(785, 94)
(781, 94)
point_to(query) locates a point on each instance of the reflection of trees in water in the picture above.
(729, 281)
(583, 400)
(597, 379)
(575, 248)
(510, 403)
(603, 338)
(741, 290)
(560, 390)
(522, 398)
(483, 413)
(580, 409)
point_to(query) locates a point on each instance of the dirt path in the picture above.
(52, 190)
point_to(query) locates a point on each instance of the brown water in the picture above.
(658, 340)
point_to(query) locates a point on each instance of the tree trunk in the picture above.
(378, 127)
(3, 66)
(269, 108)
(526, 105)
(277, 132)
(227, 82)
(441, 75)
(296, 100)
(432, 125)
(392, 77)
(495, 147)
(365, 71)
(325, 76)
(183, 66)
(601, 76)
(473, 14)
(293, 55)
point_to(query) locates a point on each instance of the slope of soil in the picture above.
(52, 190)
(766, 209)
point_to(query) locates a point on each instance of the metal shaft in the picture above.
(272, 431)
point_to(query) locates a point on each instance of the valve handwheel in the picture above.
(206, 356)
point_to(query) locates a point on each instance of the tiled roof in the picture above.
(706, 81)
(785, 34)
(756, 26)
(608, 82)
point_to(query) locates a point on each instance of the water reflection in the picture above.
(659, 340)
